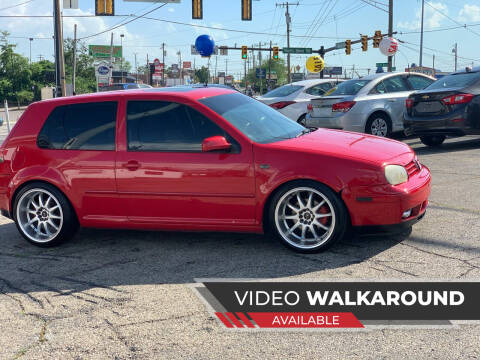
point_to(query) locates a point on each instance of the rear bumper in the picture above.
(454, 125)
(384, 205)
(341, 122)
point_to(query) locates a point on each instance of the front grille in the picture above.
(413, 167)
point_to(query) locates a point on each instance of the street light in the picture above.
(121, 57)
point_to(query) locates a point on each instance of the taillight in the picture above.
(310, 108)
(409, 103)
(457, 99)
(281, 104)
(343, 106)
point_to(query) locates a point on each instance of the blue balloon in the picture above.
(205, 45)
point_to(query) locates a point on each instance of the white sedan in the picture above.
(292, 99)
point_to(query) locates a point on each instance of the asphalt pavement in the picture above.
(111, 294)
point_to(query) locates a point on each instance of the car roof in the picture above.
(310, 82)
(185, 92)
(388, 74)
(464, 70)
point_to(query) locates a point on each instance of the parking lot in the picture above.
(125, 294)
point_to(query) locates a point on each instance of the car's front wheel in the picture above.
(43, 215)
(432, 140)
(307, 216)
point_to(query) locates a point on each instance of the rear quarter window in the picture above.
(455, 81)
(88, 126)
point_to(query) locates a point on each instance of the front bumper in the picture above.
(383, 205)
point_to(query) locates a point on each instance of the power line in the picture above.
(448, 17)
(123, 24)
(12, 6)
(374, 4)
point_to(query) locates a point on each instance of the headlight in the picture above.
(396, 174)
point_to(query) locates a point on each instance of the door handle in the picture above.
(132, 165)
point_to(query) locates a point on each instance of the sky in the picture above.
(314, 23)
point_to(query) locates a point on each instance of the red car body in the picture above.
(208, 191)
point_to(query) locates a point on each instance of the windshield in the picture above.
(259, 122)
(282, 91)
(455, 81)
(350, 87)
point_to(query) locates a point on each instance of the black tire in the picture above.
(432, 140)
(302, 120)
(373, 118)
(339, 223)
(69, 223)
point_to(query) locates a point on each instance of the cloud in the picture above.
(469, 13)
(432, 18)
(171, 10)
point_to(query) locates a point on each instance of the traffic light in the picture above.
(348, 47)
(364, 42)
(104, 7)
(275, 53)
(244, 52)
(377, 38)
(246, 9)
(197, 9)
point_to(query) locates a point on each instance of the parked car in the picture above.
(199, 159)
(448, 107)
(373, 104)
(124, 86)
(292, 99)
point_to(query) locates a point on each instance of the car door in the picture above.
(164, 177)
(397, 91)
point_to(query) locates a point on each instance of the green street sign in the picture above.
(381, 64)
(340, 45)
(103, 51)
(297, 50)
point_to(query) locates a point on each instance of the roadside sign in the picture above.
(340, 45)
(103, 69)
(223, 50)
(187, 64)
(297, 50)
(297, 77)
(381, 65)
(221, 74)
(193, 50)
(333, 70)
(156, 62)
(260, 73)
(103, 51)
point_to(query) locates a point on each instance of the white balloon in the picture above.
(388, 46)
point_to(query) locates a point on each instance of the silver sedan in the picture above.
(373, 104)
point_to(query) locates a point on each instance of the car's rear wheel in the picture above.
(43, 215)
(432, 140)
(379, 124)
(307, 216)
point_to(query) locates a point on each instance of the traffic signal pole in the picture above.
(59, 58)
(390, 30)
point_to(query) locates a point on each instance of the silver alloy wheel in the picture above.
(39, 215)
(305, 218)
(379, 127)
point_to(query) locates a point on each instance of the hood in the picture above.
(355, 146)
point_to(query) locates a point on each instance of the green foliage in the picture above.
(202, 75)
(24, 97)
(276, 66)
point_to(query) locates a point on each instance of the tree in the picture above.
(202, 75)
(276, 66)
(85, 70)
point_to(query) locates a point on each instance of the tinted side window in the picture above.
(167, 126)
(419, 82)
(319, 89)
(379, 89)
(395, 84)
(89, 126)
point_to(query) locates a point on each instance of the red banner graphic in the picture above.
(290, 320)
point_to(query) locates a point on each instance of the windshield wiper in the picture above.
(304, 131)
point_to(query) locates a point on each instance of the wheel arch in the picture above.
(268, 201)
(31, 181)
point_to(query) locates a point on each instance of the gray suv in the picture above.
(373, 104)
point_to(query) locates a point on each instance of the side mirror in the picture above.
(215, 143)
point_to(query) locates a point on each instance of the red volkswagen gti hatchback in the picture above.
(199, 159)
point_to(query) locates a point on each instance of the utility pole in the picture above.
(74, 57)
(455, 51)
(111, 54)
(288, 20)
(245, 75)
(163, 61)
(421, 36)
(270, 65)
(215, 73)
(226, 67)
(31, 39)
(136, 68)
(433, 64)
(121, 57)
(390, 30)
(59, 58)
(148, 72)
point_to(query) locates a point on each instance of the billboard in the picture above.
(103, 51)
